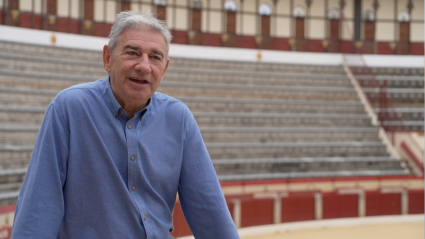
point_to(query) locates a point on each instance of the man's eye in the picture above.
(156, 58)
(132, 53)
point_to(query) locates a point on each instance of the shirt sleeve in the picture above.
(200, 194)
(40, 207)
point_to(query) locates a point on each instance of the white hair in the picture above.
(134, 20)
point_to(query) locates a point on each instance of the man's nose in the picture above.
(143, 64)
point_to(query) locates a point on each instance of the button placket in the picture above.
(132, 152)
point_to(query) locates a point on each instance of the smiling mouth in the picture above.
(138, 81)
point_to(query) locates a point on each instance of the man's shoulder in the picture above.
(165, 104)
(163, 100)
(77, 92)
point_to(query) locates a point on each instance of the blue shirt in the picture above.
(94, 173)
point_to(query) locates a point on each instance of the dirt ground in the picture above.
(387, 231)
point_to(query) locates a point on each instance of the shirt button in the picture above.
(115, 113)
(134, 187)
(132, 157)
(145, 217)
(129, 126)
(143, 117)
(122, 112)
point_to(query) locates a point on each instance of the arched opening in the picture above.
(231, 9)
(299, 14)
(368, 32)
(12, 13)
(49, 20)
(334, 30)
(263, 39)
(265, 11)
(161, 9)
(229, 39)
(125, 5)
(194, 35)
(403, 45)
(88, 15)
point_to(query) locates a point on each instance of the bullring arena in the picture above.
(312, 111)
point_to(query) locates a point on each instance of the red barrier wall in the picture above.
(416, 201)
(336, 205)
(297, 208)
(280, 44)
(211, 39)
(378, 204)
(25, 20)
(180, 225)
(258, 212)
(417, 48)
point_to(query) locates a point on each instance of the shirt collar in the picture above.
(112, 102)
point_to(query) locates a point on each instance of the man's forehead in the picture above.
(143, 30)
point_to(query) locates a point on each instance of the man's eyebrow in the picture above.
(158, 52)
(132, 47)
(136, 48)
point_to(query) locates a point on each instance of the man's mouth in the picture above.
(138, 81)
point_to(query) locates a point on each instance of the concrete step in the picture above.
(96, 56)
(51, 51)
(27, 116)
(228, 150)
(14, 157)
(23, 96)
(294, 135)
(9, 197)
(408, 114)
(211, 119)
(215, 104)
(18, 135)
(44, 81)
(251, 91)
(255, 78)
(39, 97)
(389, 71)
(51, 65)
(305, 165)
(396, 95)
(327, 174)
(254, 66)
(392, 81)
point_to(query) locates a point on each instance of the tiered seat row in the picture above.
(404, 88)
(258, 120)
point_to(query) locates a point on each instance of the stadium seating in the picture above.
(404, 89)
(258, 120)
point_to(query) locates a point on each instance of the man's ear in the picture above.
(106, 58)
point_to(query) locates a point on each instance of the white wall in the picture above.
(99, 10)
(384, 31)
(24, 5)
(182, 22)
(63, 8)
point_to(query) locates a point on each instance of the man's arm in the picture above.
(40, 206)
(200, 194)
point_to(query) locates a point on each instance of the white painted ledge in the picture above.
(40, 37)
(328, 223)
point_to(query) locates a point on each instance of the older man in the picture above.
(111, 155)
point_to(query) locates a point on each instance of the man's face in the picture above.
(136, 66)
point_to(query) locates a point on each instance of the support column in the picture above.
(404, 202)
(237, 213)
(277, 209)
(318, 212)
(361, 204)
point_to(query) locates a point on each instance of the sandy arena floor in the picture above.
(387, 231)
